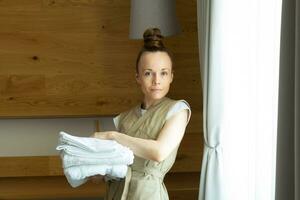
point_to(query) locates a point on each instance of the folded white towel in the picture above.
(77, 175)
(79, 152)
(88, 144)
(122, 158)
(84, 157)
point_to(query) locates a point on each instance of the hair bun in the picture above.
(153, 39)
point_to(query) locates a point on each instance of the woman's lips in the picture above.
(156, 90)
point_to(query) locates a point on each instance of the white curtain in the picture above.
(211, 186)
(288, 142)
(239, 56)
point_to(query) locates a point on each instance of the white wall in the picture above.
(39, 137)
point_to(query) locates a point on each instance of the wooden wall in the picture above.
(73, 58)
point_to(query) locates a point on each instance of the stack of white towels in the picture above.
(83, 157)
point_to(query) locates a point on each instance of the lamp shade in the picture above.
(153, 14)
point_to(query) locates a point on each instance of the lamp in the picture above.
(153, 13)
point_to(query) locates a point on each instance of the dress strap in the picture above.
(126, 184)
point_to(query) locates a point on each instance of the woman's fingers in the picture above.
(106, 135)
(100, 135)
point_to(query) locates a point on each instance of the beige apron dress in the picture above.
(144, 179)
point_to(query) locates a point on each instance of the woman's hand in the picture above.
(96, 179)
(105, 135)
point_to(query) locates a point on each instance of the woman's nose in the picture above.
(156, 79)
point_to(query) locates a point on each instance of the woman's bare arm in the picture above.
(169, 138)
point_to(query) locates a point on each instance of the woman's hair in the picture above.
(152, 43)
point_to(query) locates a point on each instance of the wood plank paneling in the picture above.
(66, 57)
(179, 185)
(54, 187)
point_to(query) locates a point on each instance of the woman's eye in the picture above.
(164, 73)
(147, 73)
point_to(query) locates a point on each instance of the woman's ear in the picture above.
(137, 78)
(172, 75)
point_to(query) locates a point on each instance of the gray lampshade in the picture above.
(153, 13)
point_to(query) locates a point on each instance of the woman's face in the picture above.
(155, 74)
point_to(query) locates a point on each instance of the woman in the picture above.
(153, 129)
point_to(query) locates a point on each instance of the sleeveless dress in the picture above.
(144, 179)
